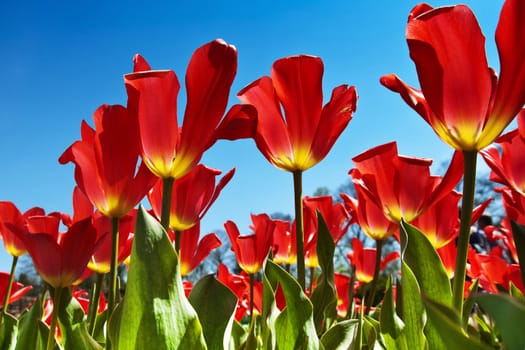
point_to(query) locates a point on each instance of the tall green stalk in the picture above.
(9, 287)
(467, 205)
(94, 301)
(167, 189)
(113, 267)
(372, 294)
(178, 234)
(56, 308)
(298, 200)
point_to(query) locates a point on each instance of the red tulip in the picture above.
(59, 258)
(251, 250)
(463, 100)
(171, 151)
(306, 132)
(18, 290)
(490, 269)
(240, 285)
(101, 259)
(440, 222)
(11, 222)
(364, 260)
(106, 162)
(342, 285)
(369, 215)
(192, 196)
(402, 186)
(507, 161)
(193, 251)
(335, 216)
(448, 254)
(284, 246)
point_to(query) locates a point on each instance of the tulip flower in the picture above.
(100, 261)
(251, 250)
(193, 251)
(56, 255)
(489, 268)
(171, 151)
(239, 285)
(447, 254)
(363, 260)
(507, 161)
(514, 204)
(106, 162)
(11, 222)
(463, 100)
(335, 216)
(12, 293)
(284, 248)
(306, 132)
(192, 195)
(367, 263)
(303, 135)
(342, 285)
(402, 186)
(369, 216)
(59, 257)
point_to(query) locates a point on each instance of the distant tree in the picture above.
(322, 191)
(27, 275)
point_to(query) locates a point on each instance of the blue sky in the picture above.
(62, 59)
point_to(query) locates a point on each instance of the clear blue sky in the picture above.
(62, 59)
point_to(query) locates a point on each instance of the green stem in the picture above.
(167, 189)
(9, 287)
(178, 234)
(298, 200)
(467, 204)
(113, 270)
(93, 304)
(252, 281)
(350, 307)
(56, 308)
(372, 295)
(311, 285)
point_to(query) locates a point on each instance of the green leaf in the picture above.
(518, 233)
(340, 336)
(269, 313)
(371, 332)
(413, 309)
(294, 326)
(446, 320)
(32, 332)
(515, 292)
(8, 332)
(73, 325)
(154, 313)
(324, 297)
(426, 265)
(392, 327)
(430, 274)
(215, 305)
(508, 313)
(238, 337)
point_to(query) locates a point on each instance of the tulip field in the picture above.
(142, 190)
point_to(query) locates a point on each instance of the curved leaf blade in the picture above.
(154, 313)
